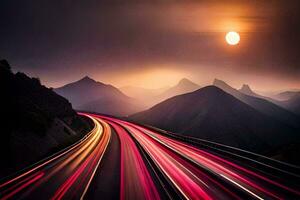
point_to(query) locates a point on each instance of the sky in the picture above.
(153, 44)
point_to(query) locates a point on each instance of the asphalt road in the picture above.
(198, 174)
(66, 174)
(106, 183)
(123, 160)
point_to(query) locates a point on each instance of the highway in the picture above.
(198, 174)
(66, 175)
(130, 161)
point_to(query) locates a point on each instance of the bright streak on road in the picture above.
(151, 166)
(193, 184)
(136, 182)
(65, 175)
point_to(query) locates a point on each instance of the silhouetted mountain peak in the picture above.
(219, 82)
(85, 82)
(90, 95)
(211, 89)
(246, 87)
(246, 90)
(212, 94)
(183, 86)
(87, 79)
(186, 83)
(223, 85)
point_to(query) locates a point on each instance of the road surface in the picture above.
(123, 160)
(66, 175)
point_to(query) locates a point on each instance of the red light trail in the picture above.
(192, 173)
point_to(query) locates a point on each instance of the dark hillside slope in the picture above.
(35, 120)
(210, 113)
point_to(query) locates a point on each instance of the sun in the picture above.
(232, 38)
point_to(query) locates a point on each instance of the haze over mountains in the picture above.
(183, 86)
(142, 93)
(290, 100)
(90, 95)
(153, 96)
(220, 113)
(245, 89)
(283, 96)
(264, 106)
(211, 113)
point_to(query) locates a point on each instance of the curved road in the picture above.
(140, 163)
(67, 174)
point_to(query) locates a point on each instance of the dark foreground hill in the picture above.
(90, 95)
(210, 113)
(35, 120)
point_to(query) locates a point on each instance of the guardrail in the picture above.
(263, 164)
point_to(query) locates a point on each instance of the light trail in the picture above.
(68, 174)
(217, 164)
(256, 185)
(188, 172)
(136, 182)
(180, 173)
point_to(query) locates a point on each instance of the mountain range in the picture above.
(220, 113)
(182, 87)
(289, 100)
(213, 114)
(89, 95)
(261, 104)
(151, 97)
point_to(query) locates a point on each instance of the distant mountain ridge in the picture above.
(182, 87)
(248, 91)
(91, 89)
(153, 96)
(286, 95)
(264, 106)
(90, 95)
(210, 113)
(289, 100)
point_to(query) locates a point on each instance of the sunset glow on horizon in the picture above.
(168, 41)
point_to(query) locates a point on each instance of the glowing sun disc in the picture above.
(232, 38)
